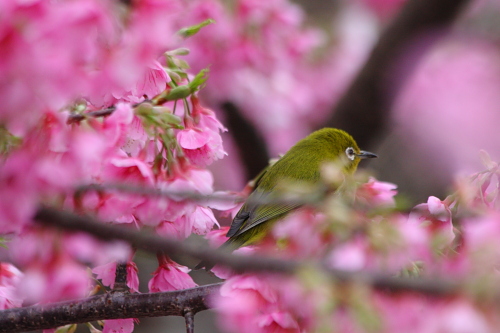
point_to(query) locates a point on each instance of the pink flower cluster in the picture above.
(54, 52)
(61, 63)
(377, 239)
(264, 58)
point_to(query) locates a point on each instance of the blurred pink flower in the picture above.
(415, 313)
(132, 277)
(44, 66)
(459, 316)
(9, 281)
(196, 219)
(191, 179)
(107, 274)
(215, 239)
(87, 249)
(50, 162)
(115, 126)
(351, 256)
(170, 276)
(377, 193)
(302, 235)
(250, 303)
(60, 280)
(15, 213)
(201, 138)
(480, 243)
(118, 325)
(460, 77)
(434, 216)
(261, 58)
(409, 243)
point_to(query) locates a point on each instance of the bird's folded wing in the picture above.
(255, 211)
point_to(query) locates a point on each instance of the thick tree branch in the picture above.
(364, 109)
(113, 305)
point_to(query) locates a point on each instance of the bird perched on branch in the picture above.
(302, 164)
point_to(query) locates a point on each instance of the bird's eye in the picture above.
(350, 153)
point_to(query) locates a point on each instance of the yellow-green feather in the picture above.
(301, 163)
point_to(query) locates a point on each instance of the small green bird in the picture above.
(301, 163)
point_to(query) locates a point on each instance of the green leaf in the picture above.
(7, 141)
(192, 30)
(178, 93)
(199, 80)
(3, 242)
(182, 51)
(172, 120)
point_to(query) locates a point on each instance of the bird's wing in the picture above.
(254, 212)
(244, 213)
(238, 221)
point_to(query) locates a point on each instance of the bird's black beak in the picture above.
(366, 154)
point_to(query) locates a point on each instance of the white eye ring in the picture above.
(350, 153)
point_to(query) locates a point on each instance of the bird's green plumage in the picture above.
(301, 163)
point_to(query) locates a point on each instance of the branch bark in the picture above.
(112, 305)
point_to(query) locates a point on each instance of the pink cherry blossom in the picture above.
(302, 232)
(173, 213)
(132, 277)
(351, 256)
(435, 216)
(44, 66)
(107, 274)
(118, 325)
(192, 179)
(170, 276)
(61, 280)
(377, 193)
(216, 238)
(415, 313)
(251, 303)
(465, 74)
(52, 160)
(201, 139)
(9, 282)
(270, 77)
(115, 126)
(86, 249)
(196, 219)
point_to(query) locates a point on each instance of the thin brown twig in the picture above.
(77, 117)
(121, 278)
(189, 317)
(311, 197)
(154, 192)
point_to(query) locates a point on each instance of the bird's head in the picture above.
(344, 147)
